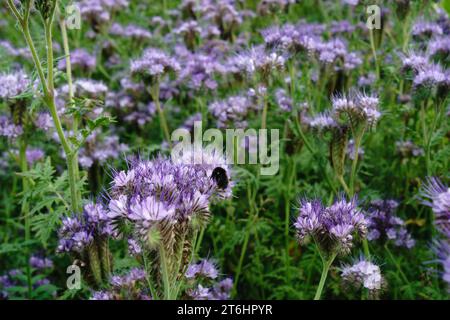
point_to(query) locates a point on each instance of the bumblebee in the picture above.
(219, 175)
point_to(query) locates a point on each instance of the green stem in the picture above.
(264, 112)
(154, 91)
(165, 273)
(326, 267)
(358, 140)
(374, 53)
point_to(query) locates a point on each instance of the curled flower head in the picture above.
(358, 108)
(437, 196)
(332, 228)
(153, 64)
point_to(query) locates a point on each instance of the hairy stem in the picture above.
(325, 268)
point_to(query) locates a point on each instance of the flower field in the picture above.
(224, 149)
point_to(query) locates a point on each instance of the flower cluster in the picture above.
(233, 111)
(129, 286)
(99, 149)
(385, 226)
(333, 228)
(80, 59)
(358, 108)
(160, 197)
(364, 274)
(78, 232)
(437, 196)
(13, 84)
(204, 275)
(153, 64)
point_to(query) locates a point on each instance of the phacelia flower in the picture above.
(437, 196)
(384, 225)
(359, 108)
(153, 64)
(364, 274)
(332, 228)
(204, 268)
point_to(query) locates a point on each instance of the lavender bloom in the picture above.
(76, 233)
(258, 61)
(439, 48)
(80, 59)
(367, 80)
(424, 29)
(414, 62)
(102, 295)
(44, 121)
(130, 31)
(98, 12)
(351, 152)
(13, 84)
(340, 27)
(200, 293)
(134, 248)
(100, 149)
(129, 286)
(37, 262)
(204, 268)
(233, 111)
(432, 76)
(8, 129)
(155, 195)
(443, 252)
(333, 228)
(358, 108)
(437, 196)
(222, 290)
(34, 155)
(199, 70)
(321, 122)
(9, 49)
(385, 226)
(153, 64)
(283, 101)
(364, 274)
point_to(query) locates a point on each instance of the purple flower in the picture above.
(44, 121)
(134, 248)
(425, 29)
(154, 195)
(130, 31)
(153, 64)
(284, 102)
(437, 196)
(34, 155)
(204, 268)
(38, 262)
(8, 129)
(351, 152)
(13, 84)
(76, 233)
(333, 228)
(80, 59)
(358, 107)
(384, 225)
(364, 274)
(233, 111)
